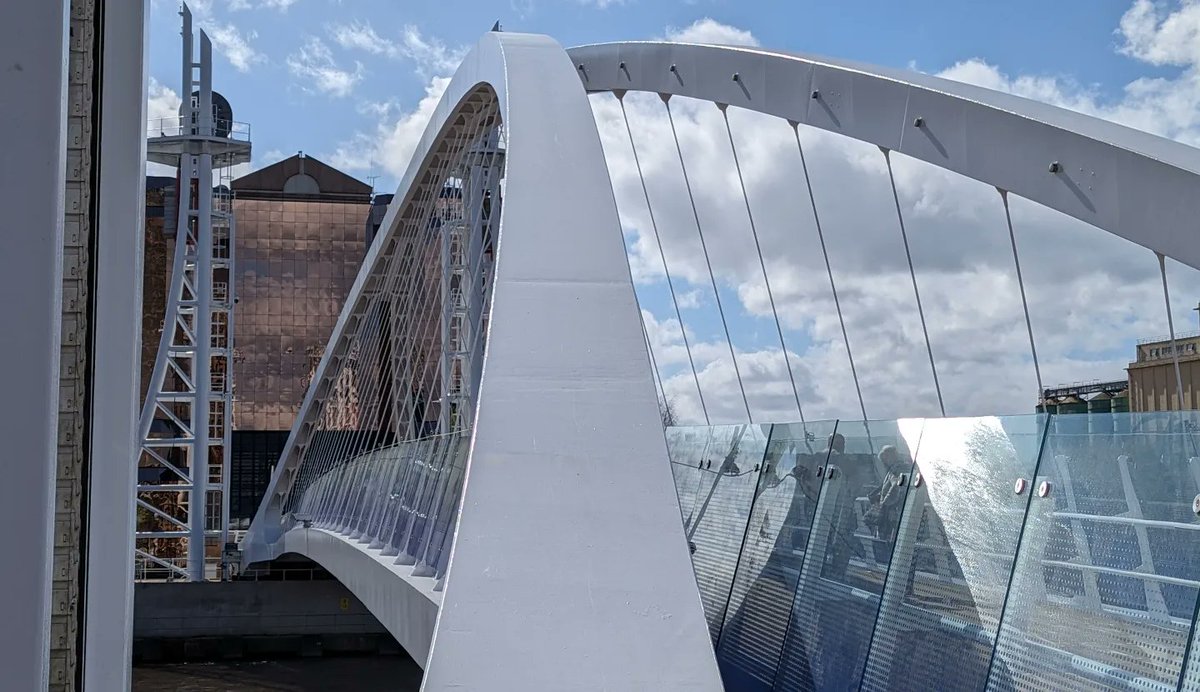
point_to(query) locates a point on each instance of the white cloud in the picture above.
(430, 55)
(162, 101)
(281, 5)
(200, 8)
(314, 62)
(708, 30)
(690, 299)
(234, 45)
(360, 36)
(162, 113)
(390, 146)
(1162, 38)
(378, 109)
(1091, 294)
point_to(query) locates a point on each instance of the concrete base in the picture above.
(266, 619)
(259, 647)
(242, 608)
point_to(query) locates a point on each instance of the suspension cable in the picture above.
(663, 256)
(1012, 237)
(913, 274)
(650, 348)
(1162, 268)
(761, 263)
(666, 99)
(356, 357)
(832, 284)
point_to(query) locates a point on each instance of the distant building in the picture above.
(1152, 381)
(379, 207)
(1152, 384)
(1090, 397)
(301, 235)
(158, 254)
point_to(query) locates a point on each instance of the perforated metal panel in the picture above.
(1106, 579)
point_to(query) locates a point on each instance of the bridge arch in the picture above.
(566, 493)
(568, 544)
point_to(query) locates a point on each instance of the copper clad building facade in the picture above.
(301, 237)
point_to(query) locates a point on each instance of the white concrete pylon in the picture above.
(570, 568)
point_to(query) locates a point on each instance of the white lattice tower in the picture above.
(185, 422)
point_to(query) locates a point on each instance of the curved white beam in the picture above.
(1141, 187)
(570, 568)
(405, 605)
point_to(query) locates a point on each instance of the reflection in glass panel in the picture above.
(769, 567)
(728, 470)
(848, 555)
(688, 448)
(1105, 584)
(957, 534)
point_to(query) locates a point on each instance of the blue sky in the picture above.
(1072, 38)
(352, 81)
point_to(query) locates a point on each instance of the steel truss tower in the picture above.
(183, 465)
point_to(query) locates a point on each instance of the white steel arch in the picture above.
(569, 567)
(1130, 183)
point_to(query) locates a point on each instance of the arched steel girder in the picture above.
(1136, 185)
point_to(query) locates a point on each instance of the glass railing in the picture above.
(1002, 553)
(400, 499)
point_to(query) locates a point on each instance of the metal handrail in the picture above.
(175, 126)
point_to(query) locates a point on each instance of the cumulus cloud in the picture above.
(281, 5)
(1159, 37)
(235, 45)
(360, 36)
(162, 102)
(1091, 294)
(430, 55)
(314, 63)
(390, 145)
(162, 113)
(708, 30)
